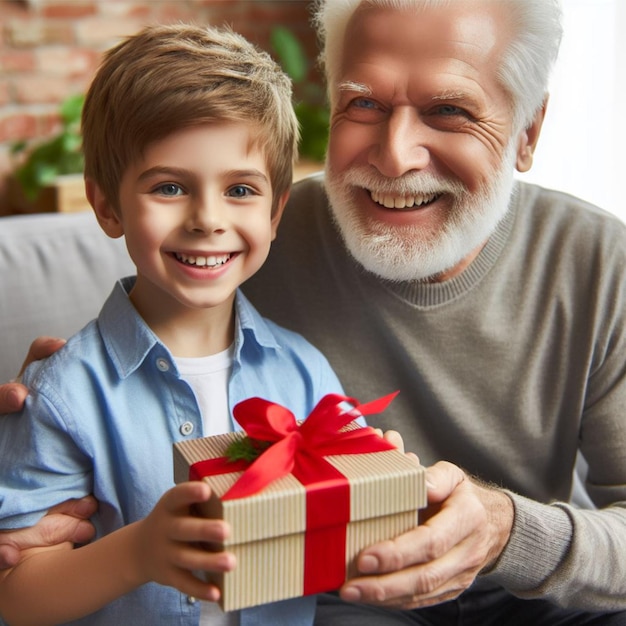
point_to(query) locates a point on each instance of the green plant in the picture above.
(310, 99)
(39, 166)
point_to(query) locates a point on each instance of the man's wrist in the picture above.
(500, 517)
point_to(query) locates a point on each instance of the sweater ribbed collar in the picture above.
(424, 295)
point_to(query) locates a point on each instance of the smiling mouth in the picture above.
(404, 202)
(210, 261)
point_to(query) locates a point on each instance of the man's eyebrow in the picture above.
(451, 95)
(350, 85)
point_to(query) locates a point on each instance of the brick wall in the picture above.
(49, 49)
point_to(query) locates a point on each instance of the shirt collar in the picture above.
(129, 340)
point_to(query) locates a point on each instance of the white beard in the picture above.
(405, 253)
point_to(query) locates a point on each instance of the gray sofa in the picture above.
(55, 272)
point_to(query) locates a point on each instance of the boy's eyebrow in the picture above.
(179, 171)
(161, 169)
(248, 173)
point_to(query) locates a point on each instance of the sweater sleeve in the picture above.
(571, 556)
(576, 556)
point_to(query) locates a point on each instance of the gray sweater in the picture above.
(506, 370)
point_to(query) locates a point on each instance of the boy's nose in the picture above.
(206, 216)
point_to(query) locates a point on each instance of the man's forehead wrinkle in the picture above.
(474, 48)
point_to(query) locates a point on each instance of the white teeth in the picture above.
(401, 202)
(202, 261)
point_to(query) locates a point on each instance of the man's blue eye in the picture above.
(364, 103)
(449, 109)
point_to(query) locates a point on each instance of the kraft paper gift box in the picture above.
(302, 511)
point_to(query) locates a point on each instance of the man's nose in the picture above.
(401, 144)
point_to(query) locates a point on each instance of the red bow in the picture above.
(299, 449)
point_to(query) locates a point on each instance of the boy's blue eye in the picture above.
(240, 191)
(169, 189)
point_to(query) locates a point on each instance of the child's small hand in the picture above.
(168, 550)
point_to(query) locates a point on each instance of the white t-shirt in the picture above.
(208, 377)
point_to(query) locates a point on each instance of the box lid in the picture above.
(381, 483)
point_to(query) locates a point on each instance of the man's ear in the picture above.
(528, 139)
(105, 214)
(278, 213)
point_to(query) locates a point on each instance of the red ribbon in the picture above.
(300, 450)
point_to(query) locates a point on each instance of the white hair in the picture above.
(526, 64)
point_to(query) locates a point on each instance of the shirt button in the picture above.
(186, 428)
(162, 365)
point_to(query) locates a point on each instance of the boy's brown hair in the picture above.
(165, 78)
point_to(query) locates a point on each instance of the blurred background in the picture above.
(582, 149)
(49, 50)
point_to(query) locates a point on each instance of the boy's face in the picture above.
(196, 211)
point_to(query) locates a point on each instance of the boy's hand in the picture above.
(67, 521)
(13, 394)
(169, 539)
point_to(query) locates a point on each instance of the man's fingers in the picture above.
(56, 528)
(419, 585)
(412, 588)
(65, 522)
(12, 396)
(442, 479)
(9, 556)
(395, 439)
(82, 508)
(41, 348)
(419, 545)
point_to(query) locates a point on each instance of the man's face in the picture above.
(421, 153)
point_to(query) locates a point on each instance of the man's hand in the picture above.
(465, 528)
(67, 521)
(13, 394)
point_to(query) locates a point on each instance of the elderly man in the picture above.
(498, 309)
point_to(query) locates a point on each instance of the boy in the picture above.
(189, 139)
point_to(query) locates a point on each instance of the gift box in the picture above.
(323, 490)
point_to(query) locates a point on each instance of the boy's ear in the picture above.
(105, 214)
(278, 213)
(528, 139)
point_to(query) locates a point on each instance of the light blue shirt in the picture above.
(102, 416)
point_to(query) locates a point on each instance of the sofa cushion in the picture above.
(56, 270)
